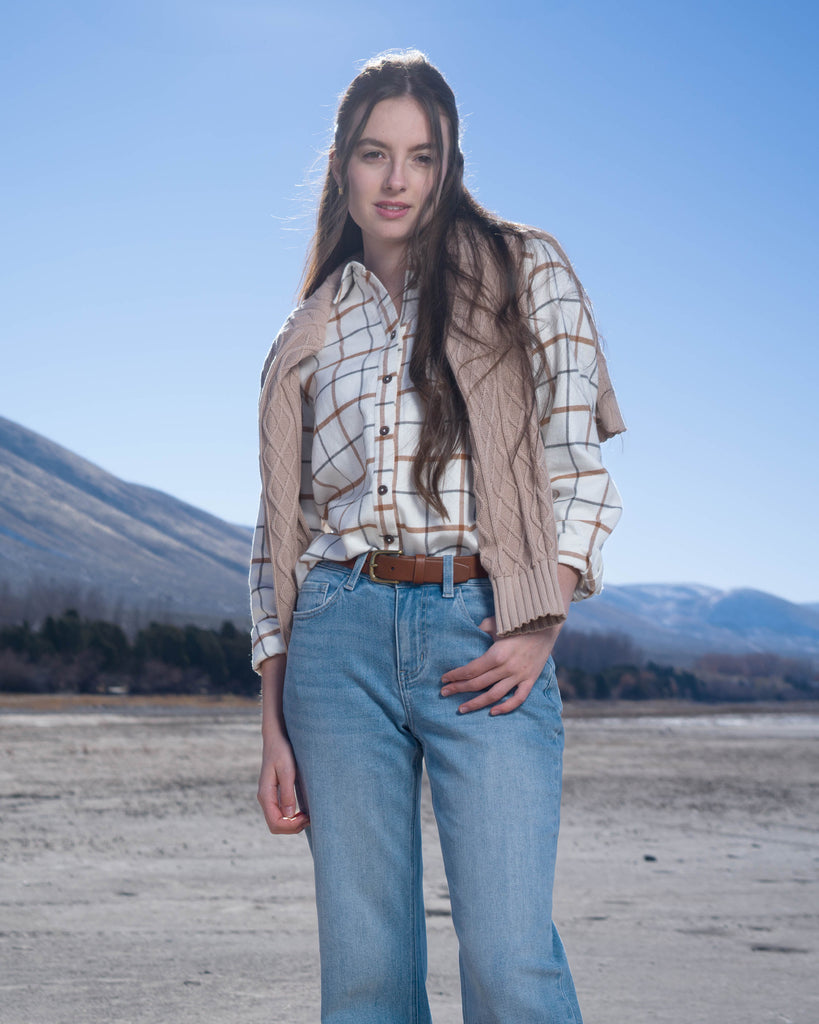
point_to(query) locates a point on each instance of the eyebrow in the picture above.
(383, 145)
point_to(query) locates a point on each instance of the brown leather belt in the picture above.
(389, 567)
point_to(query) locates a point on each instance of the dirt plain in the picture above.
(138, 882)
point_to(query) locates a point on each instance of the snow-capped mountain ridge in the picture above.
(681, 621)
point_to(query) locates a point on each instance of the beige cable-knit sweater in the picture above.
(514, 517)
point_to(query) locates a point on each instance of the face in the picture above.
(390, 174)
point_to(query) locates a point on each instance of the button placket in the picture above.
(386, 403)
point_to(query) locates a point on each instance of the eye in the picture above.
(424, 159)
(371, 154)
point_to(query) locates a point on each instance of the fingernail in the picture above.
(290, 812)
(445, 692)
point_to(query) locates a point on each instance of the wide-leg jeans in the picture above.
(363, 708)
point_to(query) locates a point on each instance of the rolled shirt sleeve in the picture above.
(265, 634)
(587, 505)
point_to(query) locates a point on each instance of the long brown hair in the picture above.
(447, 254)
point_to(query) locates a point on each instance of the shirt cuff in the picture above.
(266, 641)
(590, 569)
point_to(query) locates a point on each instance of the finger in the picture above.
(287, 792)
(278, 803)
(496, 696)
(470, 669)
(490, 696)
(278, 823)
(490, 626)
(480, 682)
(514, 700)
(289, 826)
(270, 806)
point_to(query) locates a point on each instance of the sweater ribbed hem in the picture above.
(528, 601)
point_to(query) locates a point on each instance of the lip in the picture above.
(392, 211)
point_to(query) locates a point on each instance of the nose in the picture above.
(395, 181)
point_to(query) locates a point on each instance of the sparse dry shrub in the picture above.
(157, 677)
(20, 675)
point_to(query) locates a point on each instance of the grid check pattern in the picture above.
(361, 418)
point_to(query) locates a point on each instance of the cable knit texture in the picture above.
(514, 516)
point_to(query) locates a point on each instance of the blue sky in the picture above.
(157, 201)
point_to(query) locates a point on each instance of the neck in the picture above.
(389, 266)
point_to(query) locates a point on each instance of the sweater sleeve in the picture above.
(586, 502)
(265, 635)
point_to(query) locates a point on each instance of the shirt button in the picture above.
(387, 379)
(388, 538)
(383, 489)
(392, 335)
(384, 431)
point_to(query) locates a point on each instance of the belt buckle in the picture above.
(374, 559)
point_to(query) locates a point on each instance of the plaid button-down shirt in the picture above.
(361, 423)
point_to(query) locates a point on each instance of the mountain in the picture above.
(67, 525)
(678, 622)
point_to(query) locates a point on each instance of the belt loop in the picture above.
(449, 576)
(359, 565)
(418, 568)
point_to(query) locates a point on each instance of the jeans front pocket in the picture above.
(475, 601)
(319, 591)
(312, 595)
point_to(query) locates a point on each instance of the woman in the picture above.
(432, 501)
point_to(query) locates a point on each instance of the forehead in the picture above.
(399, 119)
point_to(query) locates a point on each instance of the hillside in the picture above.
(678, 622)
(66, 523)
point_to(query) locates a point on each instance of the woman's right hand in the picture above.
(277, 790)
(277, 780)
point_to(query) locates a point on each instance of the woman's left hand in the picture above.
(511, 663)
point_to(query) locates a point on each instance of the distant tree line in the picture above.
(761, 676)
(609, 666)
(80, 654)
(70, 653)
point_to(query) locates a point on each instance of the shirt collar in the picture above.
(353, 269)
(355, 273)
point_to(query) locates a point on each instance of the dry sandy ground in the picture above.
(139, 884)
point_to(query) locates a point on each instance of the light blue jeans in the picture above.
(363, 708)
